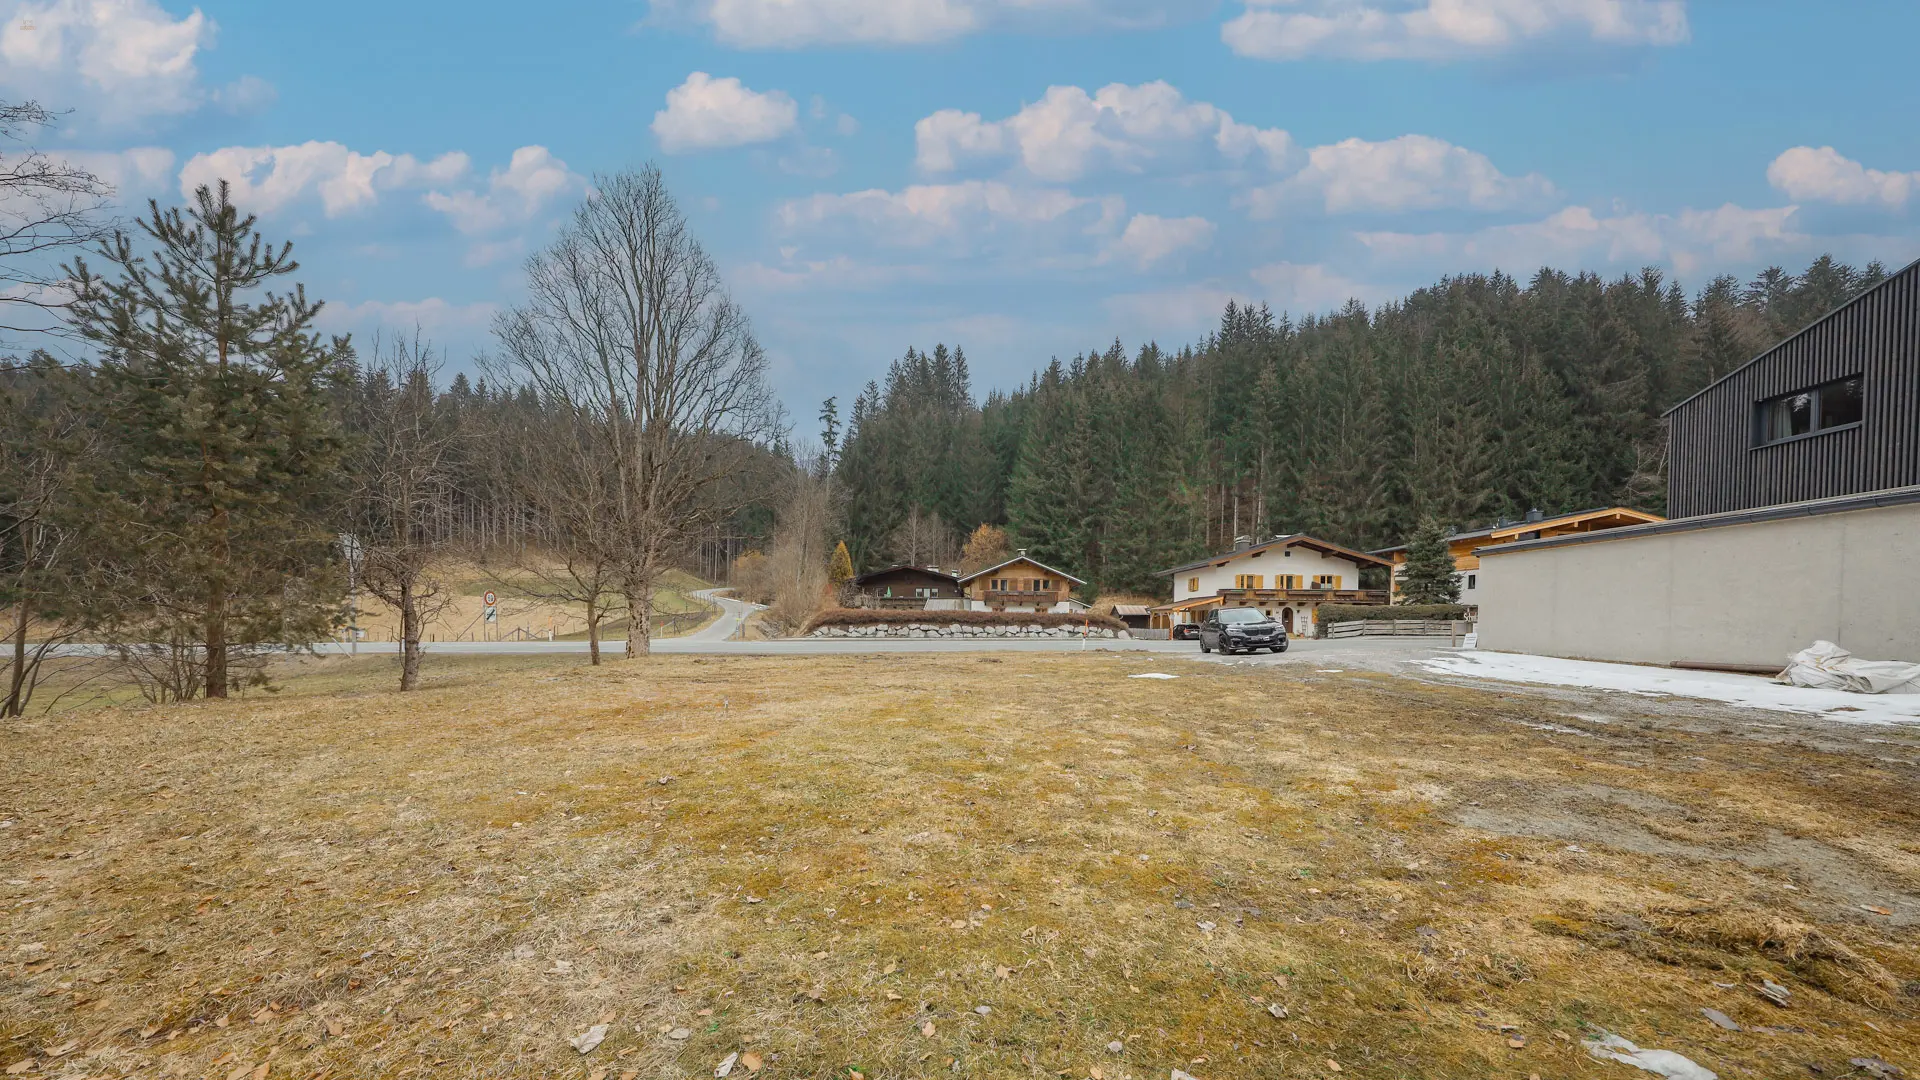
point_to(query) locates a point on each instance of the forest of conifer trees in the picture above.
(1475, 398)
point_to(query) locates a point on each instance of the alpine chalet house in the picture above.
(1287, 578)
(907, 588)
(1465, 546)
(1793, 495)
(1021, 584)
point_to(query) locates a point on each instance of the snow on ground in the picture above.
(1749, 691)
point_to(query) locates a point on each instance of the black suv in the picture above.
(1236, 629)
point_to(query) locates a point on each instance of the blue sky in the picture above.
(1023, 178)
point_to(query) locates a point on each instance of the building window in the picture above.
(1825, 407)
(1248, 581)
(1287, 581)
(1326, 581)
(1193, 584)
(1471, 578)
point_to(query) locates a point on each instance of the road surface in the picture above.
(1383, 653)
(733, 615)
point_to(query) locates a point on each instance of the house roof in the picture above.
(1888, 282)
(1324, 547)
(1191, 603)
(1503, 533)
(1025, 559)
(1837, 504)
(864, 578)
(1135, 610)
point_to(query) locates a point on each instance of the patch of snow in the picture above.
(1748, 691)
(1153, 675)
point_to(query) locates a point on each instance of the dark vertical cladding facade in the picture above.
(1716, 463)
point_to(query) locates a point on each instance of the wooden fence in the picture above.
(1391, 628)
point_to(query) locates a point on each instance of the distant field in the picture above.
(523, 614)
(939, 866)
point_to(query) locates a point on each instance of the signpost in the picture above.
(492, 614)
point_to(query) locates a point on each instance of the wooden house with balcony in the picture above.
(1020, 584)
(1465, 546)
(1288, 578)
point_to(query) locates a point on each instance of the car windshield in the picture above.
(1241, 615)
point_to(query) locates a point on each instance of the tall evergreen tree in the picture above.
(1429, 574)
(222, 443)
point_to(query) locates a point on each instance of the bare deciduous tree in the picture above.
(923, 539)
(44, 443)
(402, 478)
(46, 206)
(560, 473)
(627, 318)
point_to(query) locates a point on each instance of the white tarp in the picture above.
(1827, 666)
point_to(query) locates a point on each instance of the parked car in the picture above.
(1241, 629)
(1186, 631)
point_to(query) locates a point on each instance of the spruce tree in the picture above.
(222, 446)
(1429, 576)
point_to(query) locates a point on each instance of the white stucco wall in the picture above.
(1304, 563)
(1735, 594)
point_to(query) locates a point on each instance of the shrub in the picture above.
(873, 617)
(1333, 613)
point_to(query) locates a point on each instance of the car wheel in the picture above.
(1204, 647)
(1279, 648)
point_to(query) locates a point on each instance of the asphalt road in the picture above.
(733, 615)
(1371, 653)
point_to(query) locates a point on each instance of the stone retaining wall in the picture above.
(964, 630)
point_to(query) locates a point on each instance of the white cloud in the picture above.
(134, 173)
(1824, 175)
(1303, 287)
(928, 213)
(1445, 29)
(838, 273)
(1148, 239)
(514, 195)
(432, 315)
(705, 113)
(787, 24)
(1069, 133)
(1576, 236)
(113, 61)
(267, 178)
(1181, 311)
(1412, 172)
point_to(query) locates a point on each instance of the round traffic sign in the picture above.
(490, 599)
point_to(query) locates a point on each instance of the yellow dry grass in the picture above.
(915, 866)
(522, 615)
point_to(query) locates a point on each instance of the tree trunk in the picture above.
(217, 643)
(639, 618)
(409, 637)
(16, 704)
(593, 631)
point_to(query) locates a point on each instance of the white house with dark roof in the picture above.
(1287, 577)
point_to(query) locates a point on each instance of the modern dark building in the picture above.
(1833, 410)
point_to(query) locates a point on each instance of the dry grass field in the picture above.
(953, 866)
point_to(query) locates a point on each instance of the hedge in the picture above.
(1333, 613)
(883, 617)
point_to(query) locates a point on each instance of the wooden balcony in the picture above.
(1237, 597)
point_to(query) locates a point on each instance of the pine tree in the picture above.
(1429, 575)
(222, 445)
